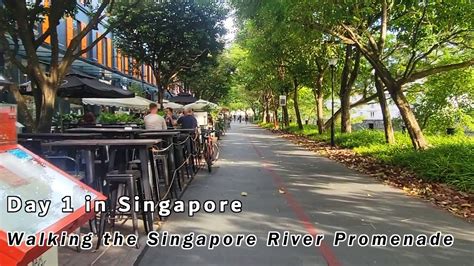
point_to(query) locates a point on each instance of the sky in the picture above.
(231, 28)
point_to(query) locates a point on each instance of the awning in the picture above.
(137, 102)
(80, 85)
(168, 104)
(201, 104)
(183, 98)
(4, 81)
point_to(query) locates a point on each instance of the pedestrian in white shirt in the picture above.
(153, 120)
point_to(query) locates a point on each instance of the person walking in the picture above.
(246, 118)
(153, 120)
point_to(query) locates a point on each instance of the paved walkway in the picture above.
(321, 196)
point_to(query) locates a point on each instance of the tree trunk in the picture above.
(267, 111)
(38, 96)
(161, 88)
(346, 124)
(344, 92)
(348, 79)
(47, 107)
(320, 112)
(284, 108)
(286, 120)
(387, 119)
(295, 105)
(414, 130)
(319, 98)
(275, 118)
(24, 115)
(360, 102)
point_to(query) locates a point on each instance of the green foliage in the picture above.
(446, 101)
(449, 160)
(137, 89)
(266, 125)
(59, 118)
(211, 78)
(170, 36)
(111, 118)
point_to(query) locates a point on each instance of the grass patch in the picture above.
(450, 159)
(266, 125)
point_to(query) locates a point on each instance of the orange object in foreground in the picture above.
(26, 177)
(7, 124)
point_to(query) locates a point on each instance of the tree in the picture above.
(210, 79)
(349, 74)
(438, 108)
(170, 36)
(421, 31)
(18, 21)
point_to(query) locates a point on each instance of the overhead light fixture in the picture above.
(332, 62)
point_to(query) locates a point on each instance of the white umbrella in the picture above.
(200, 104)
(172, 105)
(136, 102)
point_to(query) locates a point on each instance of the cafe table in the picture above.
(89, 146)
(129, 132)
(33, 141)
(56, 136)
(183, 130)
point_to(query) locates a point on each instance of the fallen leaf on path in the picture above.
(281, 191)
(243, 194)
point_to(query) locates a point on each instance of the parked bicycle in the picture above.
(210, 148)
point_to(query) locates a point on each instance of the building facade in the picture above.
(104, 61)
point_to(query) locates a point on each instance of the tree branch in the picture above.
(358, 103)
(409, 68)
(383, 28)
(436, 70)
(11, 53)
(94, 43)
(41, 39)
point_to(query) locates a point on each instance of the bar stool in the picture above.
(161, 176)
(130, 179)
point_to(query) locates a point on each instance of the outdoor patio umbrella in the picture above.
(80, 85)
(77, 84)
(183, 98)
(172, 105)
(136, 102)
(200, 104)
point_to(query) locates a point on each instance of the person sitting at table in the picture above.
(187, 121)
(170, 118)
(153, 120)
(88, 119)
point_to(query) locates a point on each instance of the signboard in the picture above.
(282, 100)
(201, 117)
(8, 124)
(27, 177)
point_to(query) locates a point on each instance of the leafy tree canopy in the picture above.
(170, 36)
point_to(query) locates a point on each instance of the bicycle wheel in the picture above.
(208, 156)
(215, 152)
